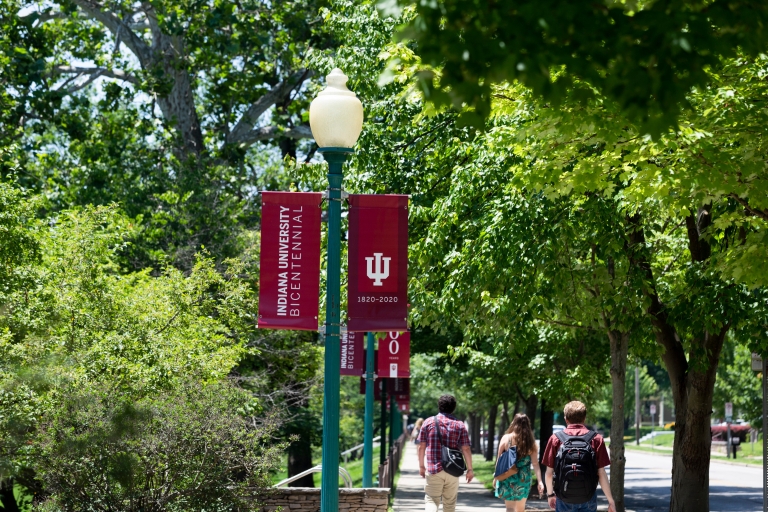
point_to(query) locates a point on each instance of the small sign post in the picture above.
(653, 422)
(728, 420)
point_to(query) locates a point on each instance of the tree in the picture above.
(211, 92)
(667, 222)
(485, 218)
(644, 56)
(467, 222)
(205, 64)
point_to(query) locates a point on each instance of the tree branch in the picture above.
(95, 73)
(45, 16)
(566, 324)
(117, 27)
(666, 335)
(243, 132)
(272, 132)
(696, 224)
(743, 202)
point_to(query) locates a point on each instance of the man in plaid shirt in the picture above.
(440, 485)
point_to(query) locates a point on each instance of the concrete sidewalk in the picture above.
(473, 497)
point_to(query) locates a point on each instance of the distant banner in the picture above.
(394, 355)
(377, 387)
(380, 384)
(399, 387)
(289, 274)
(404, 406)
(352, 354)
(378, 263)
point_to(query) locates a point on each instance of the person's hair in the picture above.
(575, 412)
(418, 423)
(446, 404)
(521, 429)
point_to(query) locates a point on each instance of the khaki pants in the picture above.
(441, 486)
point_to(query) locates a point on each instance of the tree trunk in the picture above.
(476, 427)
(530, 410)
(545, 432)
(692, 384)
(178, 104)
(300, 459)
(489, 451)
(7, 499)
(693, 441)
(619, 342)
(547, 422)
(472, 433)
(504, 418)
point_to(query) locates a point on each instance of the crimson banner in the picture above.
(377, 385)
(378, 263)
(289, 273)
(404, 406)
(352, 354)
(394, 355)
(402, 395)
(399, 387)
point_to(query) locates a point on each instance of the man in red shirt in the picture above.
(441, 486)
(575, 415)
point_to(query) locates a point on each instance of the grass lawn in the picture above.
(744, 456)
(355, 468)
(668, 440)
(483, 470)
(661, 440)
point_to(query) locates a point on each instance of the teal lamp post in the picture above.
(336, 119)
(368, 430)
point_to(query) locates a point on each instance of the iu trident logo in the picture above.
(378, 275)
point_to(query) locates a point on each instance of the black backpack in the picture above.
(575, 468)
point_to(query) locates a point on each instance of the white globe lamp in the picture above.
(336, 115)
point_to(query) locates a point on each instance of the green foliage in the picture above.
(18, 245)
(737, 383)
(645, 56)
(141, 332)
(80, 322)
(189, 449)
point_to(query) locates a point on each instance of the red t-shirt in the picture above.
(598, 444)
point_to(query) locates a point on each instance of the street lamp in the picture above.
(336, 119)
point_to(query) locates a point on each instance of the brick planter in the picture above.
(304, 499)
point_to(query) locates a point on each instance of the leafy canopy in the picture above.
(644, 55)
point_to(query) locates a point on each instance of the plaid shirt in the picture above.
(454, 434)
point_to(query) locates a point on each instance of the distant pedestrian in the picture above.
(576, 459)
(515, 489)
(416, 430)
(440, 486)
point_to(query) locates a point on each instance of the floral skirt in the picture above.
(518, 486)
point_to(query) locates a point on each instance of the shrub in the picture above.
(188, 449)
